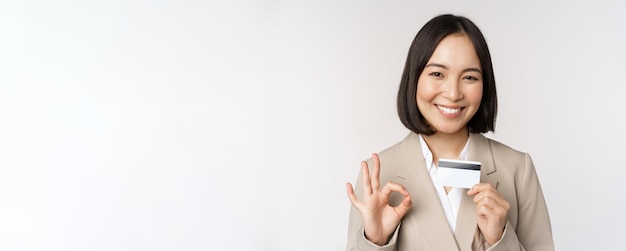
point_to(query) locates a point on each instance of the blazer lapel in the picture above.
(426, 215)
(479, 150)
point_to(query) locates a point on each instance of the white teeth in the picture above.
(447, 110)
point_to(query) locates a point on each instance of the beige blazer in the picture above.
(425, 226)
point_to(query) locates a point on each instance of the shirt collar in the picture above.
(428, 155)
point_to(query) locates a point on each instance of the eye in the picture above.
(472, 78)
(436, 74)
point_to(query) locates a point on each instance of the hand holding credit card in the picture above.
(458, 173)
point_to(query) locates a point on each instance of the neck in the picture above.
(447, 145)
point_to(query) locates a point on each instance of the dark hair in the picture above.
(420, 52)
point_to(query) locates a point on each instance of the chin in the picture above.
(446, 132)
(449, 130)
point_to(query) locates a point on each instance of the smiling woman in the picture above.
(447, 98)
(450, 88)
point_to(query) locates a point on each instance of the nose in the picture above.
(452, 90)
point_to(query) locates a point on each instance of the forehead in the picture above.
(456, 51)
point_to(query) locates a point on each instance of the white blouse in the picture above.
(451, 201)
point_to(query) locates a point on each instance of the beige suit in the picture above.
(425, 226)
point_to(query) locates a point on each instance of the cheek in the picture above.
(425, 91)
(474, 93)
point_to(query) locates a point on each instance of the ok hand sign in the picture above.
(379, 218)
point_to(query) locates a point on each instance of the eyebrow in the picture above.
(445, 67)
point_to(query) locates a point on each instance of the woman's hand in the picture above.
(379, 218)
(491, 211)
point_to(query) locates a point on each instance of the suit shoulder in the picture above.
(391, 156)
(410, 141)
(501, 150)
(392, 150)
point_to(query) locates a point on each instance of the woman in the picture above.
(447, 98)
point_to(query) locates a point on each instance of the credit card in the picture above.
(458, 173)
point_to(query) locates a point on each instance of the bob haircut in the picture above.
(421, 50)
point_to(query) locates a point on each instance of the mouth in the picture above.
(449, 110)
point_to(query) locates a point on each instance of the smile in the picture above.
(447, 110)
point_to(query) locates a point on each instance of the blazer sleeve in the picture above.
(533, 230)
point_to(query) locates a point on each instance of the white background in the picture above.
(193, 125)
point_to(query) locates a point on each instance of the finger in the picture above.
(367, 187)
(484, 210)
(406, 203)
(404, 206)
(484, 189)
(394, 187)
(487, 201)
(491, 211)
(490, 199)
(487, 195)
(490, 193)
(498, 206)
(352, 196)
(479, 188)
(375, 173)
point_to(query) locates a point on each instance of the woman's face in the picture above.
(450, 88)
